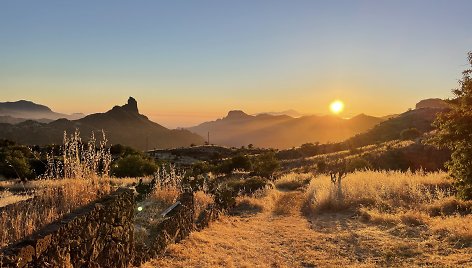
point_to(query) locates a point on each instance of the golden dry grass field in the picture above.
(385, 219)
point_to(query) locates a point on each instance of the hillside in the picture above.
(433, 103)
(282, 131)
(22, 110)
(421, 119)
(122, 124)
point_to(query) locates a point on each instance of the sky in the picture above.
(186, 62)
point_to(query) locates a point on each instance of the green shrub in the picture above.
(14, 163)
(265, 165)
(200, 168)
(241, 162)
(133, 166)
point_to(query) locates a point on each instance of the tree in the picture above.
(337, 171)
(15, 160)
(14, 164)
(454, 131)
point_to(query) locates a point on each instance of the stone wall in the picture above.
(176, 224)
(97, 235)
(101, 234)
(211, 213)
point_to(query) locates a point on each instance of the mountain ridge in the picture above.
(24, 109)
(281, 131)
(122, 124)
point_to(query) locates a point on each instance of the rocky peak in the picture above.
(131, 106)
(236, 114)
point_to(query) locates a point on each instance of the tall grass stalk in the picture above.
(79, 177)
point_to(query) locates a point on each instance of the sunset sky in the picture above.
(190, 61)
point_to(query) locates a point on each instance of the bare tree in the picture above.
(338, 171)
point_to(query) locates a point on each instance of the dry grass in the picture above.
(52, 200)
(288, 204)
(293, 181)
(73, 180)
(397, 199)
(385, 220)
(259, 241)
(7, 198)
(267, 239)
(202, 201)
(457, 229)
(264, 200)
(386, 191)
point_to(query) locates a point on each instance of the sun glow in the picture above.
(336, 106)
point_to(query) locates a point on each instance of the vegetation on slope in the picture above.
(455, 133)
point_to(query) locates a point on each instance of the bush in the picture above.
(14, 163)
(241, 162)
(237, 162)
(122, 150)
(134, 166)
(225, 197)
(265, 165)
(200, 168)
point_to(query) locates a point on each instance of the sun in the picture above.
(336, 106)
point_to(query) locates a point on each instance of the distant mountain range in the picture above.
(291, 113)
(282, 131)
(20, 111)
(122, 124)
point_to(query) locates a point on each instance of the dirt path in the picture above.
(267, 240)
